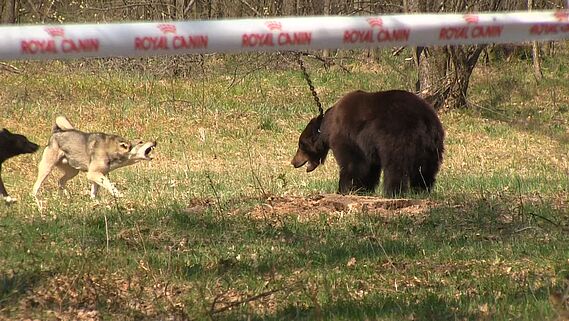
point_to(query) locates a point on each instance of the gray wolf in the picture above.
(12, 145)
(97, 154)
(394, 131)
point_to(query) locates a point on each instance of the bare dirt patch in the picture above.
(306, 208)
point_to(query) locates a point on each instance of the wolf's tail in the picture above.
(61, 124)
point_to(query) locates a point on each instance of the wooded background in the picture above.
(51, 11)
(443, 72)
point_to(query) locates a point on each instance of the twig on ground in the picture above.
(218, 199)
(255, 176)
(246, 300)
(397, 51)
(327, 61)
(525, 228)
(544, 218)
(10, 68)
(106, 230)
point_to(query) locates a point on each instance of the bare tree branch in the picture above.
(257, 13)
(188, 7)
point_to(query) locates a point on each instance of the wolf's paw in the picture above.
(9, 200)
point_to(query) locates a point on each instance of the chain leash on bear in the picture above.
(310, 85)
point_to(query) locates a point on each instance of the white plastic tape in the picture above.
(277, 34)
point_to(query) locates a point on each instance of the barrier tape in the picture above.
(277, 34)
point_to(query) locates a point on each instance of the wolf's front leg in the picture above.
(103, 181)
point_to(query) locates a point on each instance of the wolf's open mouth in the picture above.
(142, 151)
(149, 150)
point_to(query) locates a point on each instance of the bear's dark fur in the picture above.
(394, 131)
(12, 145)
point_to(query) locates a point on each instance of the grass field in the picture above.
(221, 227)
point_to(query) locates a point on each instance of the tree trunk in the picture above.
(536, 61)
(180, 6)
(443, 72)
(433, 79)
(432, 64)
(464, 59)
(535, 52)
(326, 12)
(8, 12)
(279, 6)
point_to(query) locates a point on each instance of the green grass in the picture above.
(185, 243)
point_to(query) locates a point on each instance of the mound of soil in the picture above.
(334, 204)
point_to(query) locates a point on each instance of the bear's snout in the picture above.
(31, 148)
(299, 159)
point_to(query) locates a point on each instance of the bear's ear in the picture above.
(4, 130)
(315, 128)
(318, 122)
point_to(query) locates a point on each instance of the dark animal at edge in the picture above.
(395, 131)
(12, 145)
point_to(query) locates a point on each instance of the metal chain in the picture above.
(310, 85)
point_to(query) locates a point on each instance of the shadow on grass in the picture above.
(546, 117)
(216, 243)
(289, 245)
(13, 285)
(431, 307)
(528, 121)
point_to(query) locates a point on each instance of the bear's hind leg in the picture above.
(359, 178)
(395, 182)
(371, 177)
(422, 180)
(346, 184)
(423, 176)
(356, 173)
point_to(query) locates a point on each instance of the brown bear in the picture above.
(395, 131)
